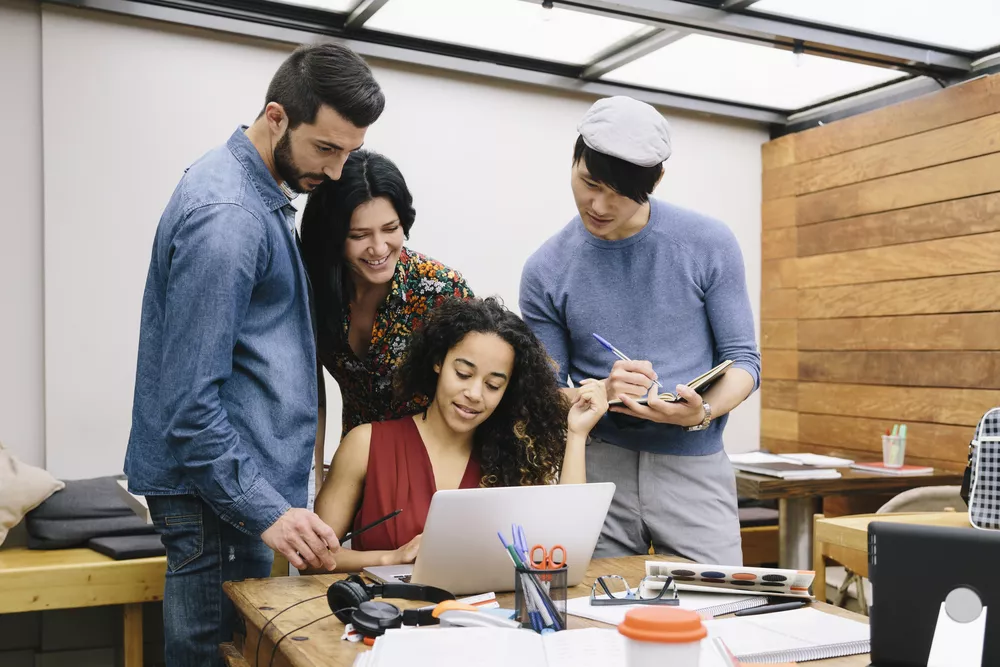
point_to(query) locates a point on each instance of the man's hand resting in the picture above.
(303, 539)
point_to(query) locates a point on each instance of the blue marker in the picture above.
(618, 353)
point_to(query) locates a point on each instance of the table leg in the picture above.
(819, 565)
(795, 531)
(133, 635)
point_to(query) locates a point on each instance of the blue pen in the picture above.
(618, 353)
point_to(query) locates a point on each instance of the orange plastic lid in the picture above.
(663, 624)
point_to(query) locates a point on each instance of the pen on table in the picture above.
(618, 353)
(767, 609)
(362, 529)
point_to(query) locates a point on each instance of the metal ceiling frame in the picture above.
(666, 20)
(819, 40)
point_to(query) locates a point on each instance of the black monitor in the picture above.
(912, 570)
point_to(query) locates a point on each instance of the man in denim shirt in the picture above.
(225, 410)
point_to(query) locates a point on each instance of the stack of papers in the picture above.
(789, 466)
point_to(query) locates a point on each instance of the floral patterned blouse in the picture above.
(418, 284)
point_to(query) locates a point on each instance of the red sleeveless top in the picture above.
(399, 476)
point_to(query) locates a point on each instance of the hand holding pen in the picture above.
(639, 374)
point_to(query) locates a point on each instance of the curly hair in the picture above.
(523, 442)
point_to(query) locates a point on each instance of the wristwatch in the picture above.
(704, 422)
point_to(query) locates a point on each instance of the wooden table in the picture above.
(845, 539)
(320, 645)
(72, 578)
(800, 500)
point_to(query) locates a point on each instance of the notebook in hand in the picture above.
(700, 384)
(791, 636)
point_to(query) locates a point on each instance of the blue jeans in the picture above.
(202, 553)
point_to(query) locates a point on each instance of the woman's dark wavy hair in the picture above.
(327, 221)
(524, 440)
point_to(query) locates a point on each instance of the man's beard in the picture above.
(284, 164)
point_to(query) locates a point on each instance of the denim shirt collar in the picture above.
(243, 150)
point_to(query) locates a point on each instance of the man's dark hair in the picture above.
(627, 179)
(329, 74)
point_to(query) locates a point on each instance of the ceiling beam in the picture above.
(363, 11)
(629, 52)
(428, 54)
(824, 41)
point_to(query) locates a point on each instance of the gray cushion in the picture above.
(85, 498)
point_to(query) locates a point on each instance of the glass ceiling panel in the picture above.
(509, 26)
(342, 6)
(747, 73)
(971, 25)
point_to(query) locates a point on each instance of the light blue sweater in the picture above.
(674, 294)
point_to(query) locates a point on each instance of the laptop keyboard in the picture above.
(405, 578)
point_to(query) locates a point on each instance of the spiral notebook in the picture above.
(791, 636)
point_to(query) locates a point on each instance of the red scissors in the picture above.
(552, 559)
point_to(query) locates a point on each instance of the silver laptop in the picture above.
(461, 553)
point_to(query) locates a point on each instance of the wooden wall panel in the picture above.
(975, 176)
(972, 99)
(880, 280)
(972, 215)
(959, 407)
(961, 370)
(952, 294)
(963, 331)
(780, 364)
(932, 441)
(778, 213)
(779, 334)
(779, 394)
(779, 273)
(780, 424)
(947, 144)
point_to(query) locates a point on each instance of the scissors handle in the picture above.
(539, 563)
(556, 563)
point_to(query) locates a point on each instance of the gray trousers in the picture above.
(682, 505)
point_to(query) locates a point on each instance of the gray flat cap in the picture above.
(628, 129)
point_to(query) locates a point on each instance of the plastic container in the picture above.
(893, 450)
(662, 636)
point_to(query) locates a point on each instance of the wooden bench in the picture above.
(74, 578)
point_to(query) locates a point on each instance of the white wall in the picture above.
(128, 104)
(22, 418)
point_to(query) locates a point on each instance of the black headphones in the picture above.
(351, 602)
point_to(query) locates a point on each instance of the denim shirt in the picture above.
(226, 393)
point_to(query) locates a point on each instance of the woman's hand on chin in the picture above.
(406, 553)
(589, 406)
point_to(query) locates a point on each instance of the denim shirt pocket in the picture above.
(182, 529)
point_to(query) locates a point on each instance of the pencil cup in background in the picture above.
(540, 598)
(660, 636)
(893, 450)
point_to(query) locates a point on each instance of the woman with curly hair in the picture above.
(496, 418)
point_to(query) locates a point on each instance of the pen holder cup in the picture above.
(540, 598)
(893, 450)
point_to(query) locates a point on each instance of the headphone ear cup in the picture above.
(344, 597)
(372, 619)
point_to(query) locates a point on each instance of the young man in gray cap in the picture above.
(666, 286)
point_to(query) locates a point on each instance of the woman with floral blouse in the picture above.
(370, 292)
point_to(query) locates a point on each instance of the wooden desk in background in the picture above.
(320, 645)
(845, 539)
(800, 500)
